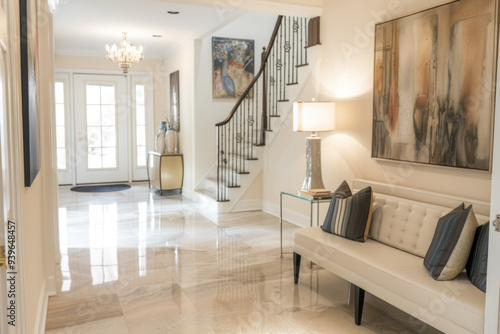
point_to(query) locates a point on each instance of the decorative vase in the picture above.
(170, 141)
(160, 144)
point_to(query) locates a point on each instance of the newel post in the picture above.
(264, 126)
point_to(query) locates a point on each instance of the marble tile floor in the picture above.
(136, 262)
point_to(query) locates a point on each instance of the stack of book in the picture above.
(316, 194)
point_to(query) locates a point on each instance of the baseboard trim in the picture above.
(248, 205)
(41, 312)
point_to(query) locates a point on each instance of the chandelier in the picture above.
(126, 55)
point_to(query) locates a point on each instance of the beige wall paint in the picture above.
(34, 255)
(182, 60)
(347, 78)
(39, 202)
(344, 74)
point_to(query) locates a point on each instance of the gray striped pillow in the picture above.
(478, 259)
(451, 244)
(349, 215)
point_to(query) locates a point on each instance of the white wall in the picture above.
(183, 61)
(209, 111)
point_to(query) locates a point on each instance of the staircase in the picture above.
(260, 110)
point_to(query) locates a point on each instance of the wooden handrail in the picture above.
(261, 70)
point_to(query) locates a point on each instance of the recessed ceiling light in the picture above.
(156, 35)
(173, 12)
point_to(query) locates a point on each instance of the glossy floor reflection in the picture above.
(137, 262)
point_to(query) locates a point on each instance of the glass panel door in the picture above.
(101, 124)
(64, 162)
(142, 119)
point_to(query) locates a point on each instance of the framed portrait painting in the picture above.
(434, 86)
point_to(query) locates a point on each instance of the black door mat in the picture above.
(101, 188)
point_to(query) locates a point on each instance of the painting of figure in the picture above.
(233, 66)
(434, 86)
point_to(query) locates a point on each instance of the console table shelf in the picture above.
(165, 171)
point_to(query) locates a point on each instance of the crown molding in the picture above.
(302, 8)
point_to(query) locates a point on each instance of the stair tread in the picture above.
(239, 155)
(214, 180)
(207, 193)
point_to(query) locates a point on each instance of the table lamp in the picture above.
(313, 117)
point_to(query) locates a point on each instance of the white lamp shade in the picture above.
(313, 116)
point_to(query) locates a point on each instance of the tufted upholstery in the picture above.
(406, 218)
(404, 224)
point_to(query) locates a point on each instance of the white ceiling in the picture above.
(84, 27)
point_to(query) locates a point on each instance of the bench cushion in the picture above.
(397, 277)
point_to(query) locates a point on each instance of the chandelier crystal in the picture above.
(126, 55)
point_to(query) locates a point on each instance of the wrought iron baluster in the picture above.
(251, 116)
(301, 45)
(239, 138)
(296, 27)
(289, 49)
(306, 38)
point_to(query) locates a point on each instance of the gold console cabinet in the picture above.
(165, 171)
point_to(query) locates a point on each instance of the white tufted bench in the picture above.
(389, 264)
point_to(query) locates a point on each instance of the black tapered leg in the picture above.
(296, 267)
(359, 299)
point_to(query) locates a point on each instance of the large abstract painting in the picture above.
(434, 86)
(233, 66)
(29, 59)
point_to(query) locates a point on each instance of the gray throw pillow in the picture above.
(477, 264)
(348, 215)
(451, 244)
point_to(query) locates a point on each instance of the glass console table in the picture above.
(313, 201)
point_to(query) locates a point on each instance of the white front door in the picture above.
(101, 128)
